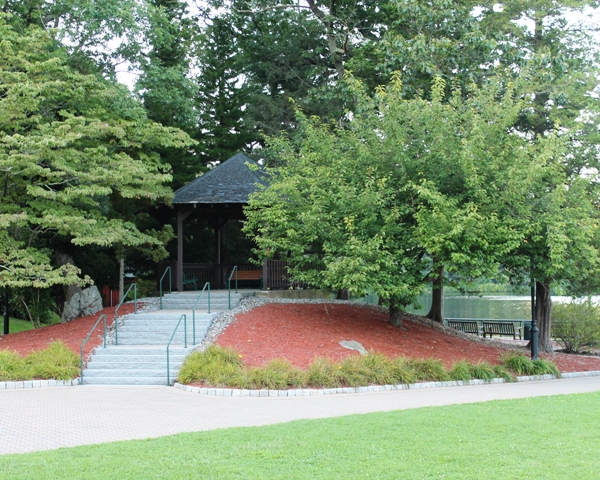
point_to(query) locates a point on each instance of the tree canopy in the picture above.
(71, 146)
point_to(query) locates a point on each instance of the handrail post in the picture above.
(184, 317)
(101, 317)
(206, 285)
(235, 269)
(115, 322)
(167, 270)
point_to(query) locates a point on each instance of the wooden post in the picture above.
(179, 269)
(265, 275)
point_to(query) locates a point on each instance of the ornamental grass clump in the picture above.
(215, 366)
(278, 374)
(522, 365)
(371, 369)
(460, 371)
(430, 369)
(57, 362)
(482, 371)
(324, 373)
(12, 366)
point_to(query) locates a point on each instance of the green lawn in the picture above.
(542, 438)
(15, 325)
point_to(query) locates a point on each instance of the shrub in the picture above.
(460, 371)
(216, 366)
(482, 371)
(522, 365)
(57, 362)
(430, 369)
(370, 369)
(12, 366)
(403, 372)
(323, 373)
(278, 374)
(576, 325)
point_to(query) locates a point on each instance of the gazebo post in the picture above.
(179, 269)
(265, 275)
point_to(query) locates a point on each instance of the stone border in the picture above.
(38, 384)
(315, 392)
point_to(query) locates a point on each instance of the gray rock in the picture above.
(88, 302)
(353, 345)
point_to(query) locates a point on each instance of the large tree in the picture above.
(411, 185)
(71, 147)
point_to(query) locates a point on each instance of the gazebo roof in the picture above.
(230, 182)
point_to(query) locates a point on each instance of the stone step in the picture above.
(128, 373)
(133, 365)
(127, 380)
(176, 343)
(141, 333)
(140, 351)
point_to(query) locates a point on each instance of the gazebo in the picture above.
(219, 196)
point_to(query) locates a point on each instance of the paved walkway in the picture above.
(50, 418)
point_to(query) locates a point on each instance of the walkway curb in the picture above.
(314, 392)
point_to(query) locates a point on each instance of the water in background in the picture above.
(490, 305)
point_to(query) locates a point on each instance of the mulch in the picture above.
(72, 333)
(300, 332)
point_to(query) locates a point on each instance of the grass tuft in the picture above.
(522, 365)
(460, 371)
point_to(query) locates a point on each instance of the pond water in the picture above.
(495, 306)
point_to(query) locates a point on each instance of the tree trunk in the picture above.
(396, 314)
(343, 294)
(121, 277)
(543, 315)
(62, 258)
(436, 312)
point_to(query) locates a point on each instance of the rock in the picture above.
(353, 345)
(87, 302)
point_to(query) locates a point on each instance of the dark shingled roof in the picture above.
(230, 182)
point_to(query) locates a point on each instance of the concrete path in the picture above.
(50, 418)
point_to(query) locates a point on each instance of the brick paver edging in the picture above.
(313, 392)
(38, 384)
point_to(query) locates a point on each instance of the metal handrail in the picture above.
(133, 285)
(168, 269)
(184, 342)
(103, 316)
(207, 284)
(234, 270)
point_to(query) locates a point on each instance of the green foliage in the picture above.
(482, 371)
(72, 147)
(428, 369)
(12, 366)
(523, 365)
(219, 367)
(57, 362)
(323, 373)
(371, 369)
(460, 371)
(278, 374)
(576, 325)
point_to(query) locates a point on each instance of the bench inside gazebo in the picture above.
(219, 196)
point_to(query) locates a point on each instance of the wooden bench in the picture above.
(465, 326)
(501, 328)
(247, 276)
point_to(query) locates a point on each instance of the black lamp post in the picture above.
(534, 329)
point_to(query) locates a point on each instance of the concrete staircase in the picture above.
(140, 357)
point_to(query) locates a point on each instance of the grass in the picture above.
(16, 325)
(54, 362)
(546, 437)
(223, 367)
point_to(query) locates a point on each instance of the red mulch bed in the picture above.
(71, 333)
(300, 332)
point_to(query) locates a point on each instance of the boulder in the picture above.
(87, 302)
